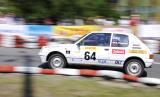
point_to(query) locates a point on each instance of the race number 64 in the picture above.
(89, 56)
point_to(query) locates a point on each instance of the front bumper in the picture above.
(43, 54)
(43, 58)
(148, 63)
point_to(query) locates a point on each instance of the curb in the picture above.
(79, 72)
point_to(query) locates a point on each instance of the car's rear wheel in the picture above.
(57, 61)
(134, 67)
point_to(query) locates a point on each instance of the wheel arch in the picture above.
(55, 52)
(134, 57)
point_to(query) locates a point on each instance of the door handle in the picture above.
(106, 49)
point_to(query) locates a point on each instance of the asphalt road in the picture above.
(29, 57)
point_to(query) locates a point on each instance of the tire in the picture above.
(134, 67)
(57, 61)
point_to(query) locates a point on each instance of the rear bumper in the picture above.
(149, 63)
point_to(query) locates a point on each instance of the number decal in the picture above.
(93, 56)
(88, 56)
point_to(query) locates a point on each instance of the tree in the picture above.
(62, 8)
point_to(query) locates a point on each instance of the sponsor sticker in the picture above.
(67, 52)
(138, 51)
(118, 62)
(118, 51)
(136, 46)
(89, 48)
(102, 61)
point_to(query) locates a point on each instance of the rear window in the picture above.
(120, 40)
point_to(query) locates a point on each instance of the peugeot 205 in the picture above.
(113, 47)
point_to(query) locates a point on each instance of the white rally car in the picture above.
(115, 47)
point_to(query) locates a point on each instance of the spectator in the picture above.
(2, 19)
(48, 21)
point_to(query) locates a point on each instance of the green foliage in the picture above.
(62, 8)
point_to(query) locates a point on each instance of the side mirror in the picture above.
(79, 44)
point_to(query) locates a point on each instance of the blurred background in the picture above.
(57, 11)
(27, 25)
(30, 19)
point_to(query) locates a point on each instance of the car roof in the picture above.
(115, 30)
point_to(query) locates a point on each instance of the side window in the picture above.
(120, 40)
(96, 39)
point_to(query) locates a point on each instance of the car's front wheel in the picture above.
(134, 67)
(57, 61)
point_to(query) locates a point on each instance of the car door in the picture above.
(119, 47)
(93, 49)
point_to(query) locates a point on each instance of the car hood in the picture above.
(60, 45)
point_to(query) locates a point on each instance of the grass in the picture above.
(65, 86)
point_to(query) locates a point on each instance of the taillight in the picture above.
(151, 56)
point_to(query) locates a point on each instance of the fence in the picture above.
(36, 36)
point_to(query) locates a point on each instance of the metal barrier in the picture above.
(32, 41)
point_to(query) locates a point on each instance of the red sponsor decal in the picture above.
(118, 51)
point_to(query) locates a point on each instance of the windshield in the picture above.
(80, 38)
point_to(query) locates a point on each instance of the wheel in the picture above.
(57, 61)
(134, 67)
